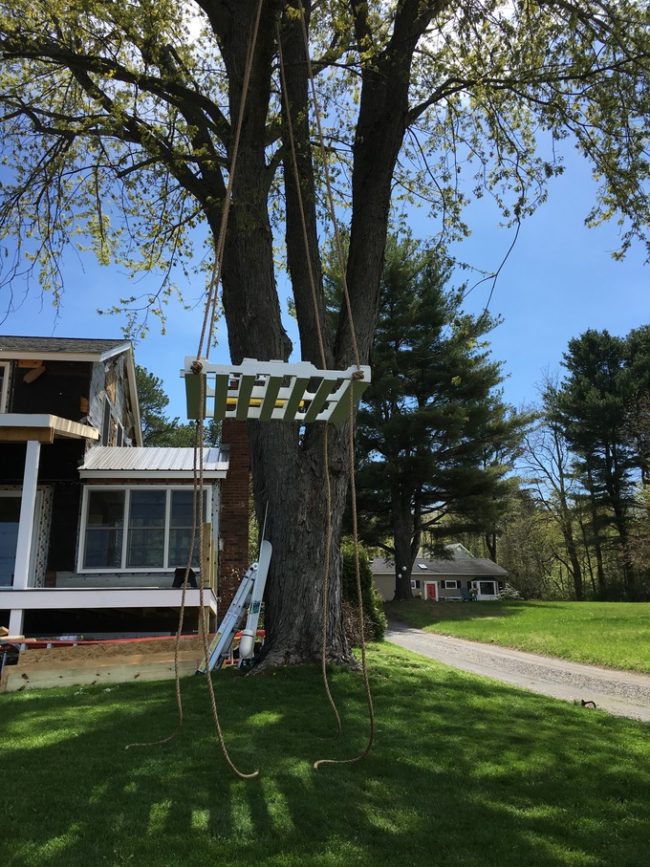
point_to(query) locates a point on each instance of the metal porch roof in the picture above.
(149, 462)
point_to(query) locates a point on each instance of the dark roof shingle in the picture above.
(470, 567)
(64, 345)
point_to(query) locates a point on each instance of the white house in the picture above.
(461, 577)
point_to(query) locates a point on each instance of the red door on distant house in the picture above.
(431, 591)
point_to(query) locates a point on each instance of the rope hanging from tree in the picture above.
(352, 407)
(198, 480)
(260, 391)
(321, 345)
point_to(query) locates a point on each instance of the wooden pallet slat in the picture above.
(318, 401)
(270, 398)
(246, 384)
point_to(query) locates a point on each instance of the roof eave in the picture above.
(153, 475)
(28, 426)
(49, 355)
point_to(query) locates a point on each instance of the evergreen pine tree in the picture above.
(592, 406)
(432, 424)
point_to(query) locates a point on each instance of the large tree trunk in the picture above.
(596, 535)
(288, 464)
(491, 543)
(291, 479)
(576, 567)
(402, 538)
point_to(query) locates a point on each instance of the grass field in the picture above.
(614, 634)
(463, 772)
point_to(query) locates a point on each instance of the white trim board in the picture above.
(138, 597)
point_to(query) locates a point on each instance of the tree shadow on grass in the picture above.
(420, 613)
(462, 772)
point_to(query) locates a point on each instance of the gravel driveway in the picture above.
(620, 692)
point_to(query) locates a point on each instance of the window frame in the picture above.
(450, 584)
(126, 514)
(5, 366)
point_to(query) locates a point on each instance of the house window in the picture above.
(180, 527)
(104, 529)
(450, 584)
(4, 385)
(138, 529)
(146, 534)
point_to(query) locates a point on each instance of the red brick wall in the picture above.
(234, 513)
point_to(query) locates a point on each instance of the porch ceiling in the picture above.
(43, 428)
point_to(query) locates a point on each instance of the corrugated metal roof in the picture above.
(63, 345)
(470, 567)
(152, 462)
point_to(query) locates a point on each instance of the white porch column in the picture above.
(27, 512)
(16, 621)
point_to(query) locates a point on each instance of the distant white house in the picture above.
(462, 576)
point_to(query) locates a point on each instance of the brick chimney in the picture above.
(235, 490)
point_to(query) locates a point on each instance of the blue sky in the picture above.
(558, 281)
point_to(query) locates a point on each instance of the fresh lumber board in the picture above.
(87, 664)
(15, 679)
(125, 659)
(95, 652)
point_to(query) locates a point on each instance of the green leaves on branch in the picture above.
(117, 117)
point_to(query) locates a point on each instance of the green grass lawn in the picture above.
(463, 772)
(614, 634)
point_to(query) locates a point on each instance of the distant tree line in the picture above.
(558, 494)
(588, 466)
(435, 440)
(579, 526)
